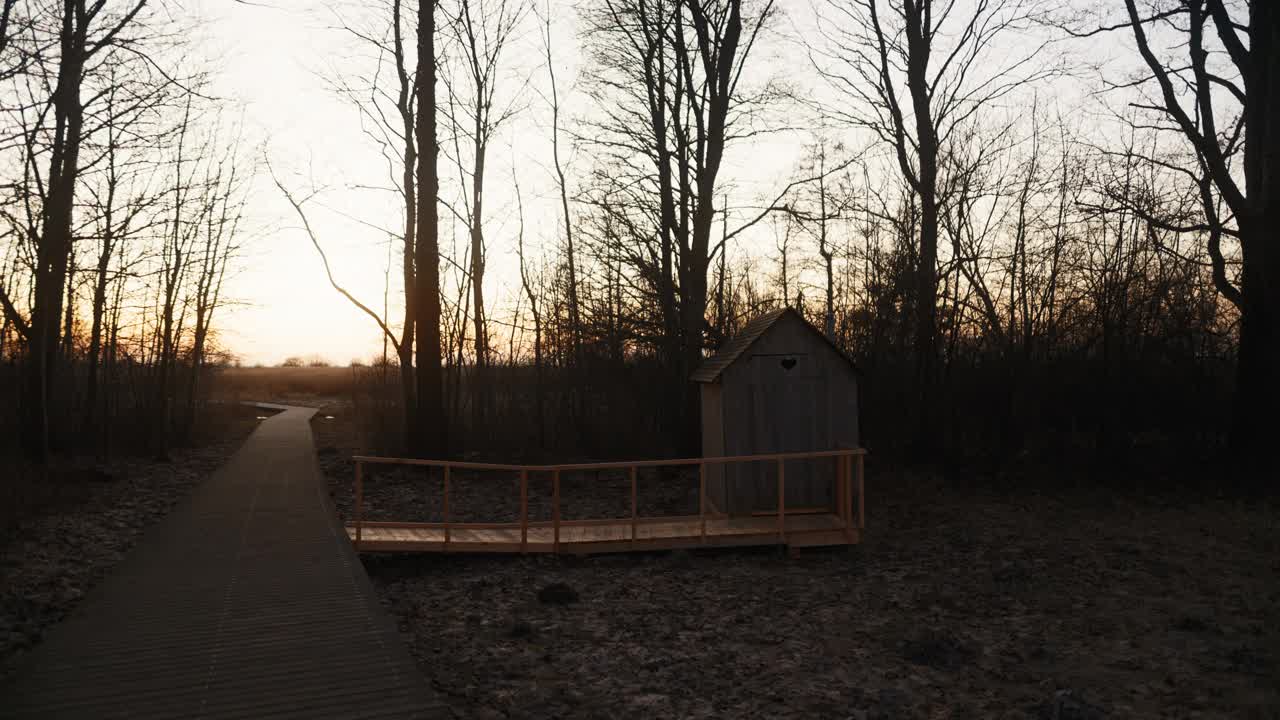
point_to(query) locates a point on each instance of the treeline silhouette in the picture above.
(1106, 349)
(1019, 279)
(1018, 282)
(123, 201)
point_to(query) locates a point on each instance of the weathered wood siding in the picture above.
(790, 392)
(713, 441)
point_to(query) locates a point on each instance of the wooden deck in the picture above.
(841, 524)
(605, 535)
(247, 601)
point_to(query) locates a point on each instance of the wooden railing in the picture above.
(849, 486)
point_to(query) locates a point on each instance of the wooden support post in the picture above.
(359, 501)
(840, 489)
(634, 506)
(848, 490)
(555, 509)
(702, 499)
(862, 501)
(446, 507)
(782, 501)
(846, 495)
(524, 511)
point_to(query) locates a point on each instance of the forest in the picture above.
(1032, 254)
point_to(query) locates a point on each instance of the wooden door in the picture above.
(785, 400)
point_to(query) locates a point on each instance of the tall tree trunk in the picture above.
(1254, 205)
(538, 392)
(480, 379)
(721, 64)
(577, 396)
(828, 255)
(1257, 389)
(175, 260)
(926, 335)
(1258, 366)
(54, 249)
(95, 333)
(109, 366)
(432, 425)
(404, 104)
(69, 312)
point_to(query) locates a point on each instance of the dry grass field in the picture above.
(284, 384)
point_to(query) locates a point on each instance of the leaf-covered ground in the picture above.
(961, 603)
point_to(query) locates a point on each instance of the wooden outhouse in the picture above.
(779, 386)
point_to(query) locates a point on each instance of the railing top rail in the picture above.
(442, 463)
(722, 460)
(612, 464)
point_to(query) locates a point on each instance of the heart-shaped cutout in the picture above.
(788, 363)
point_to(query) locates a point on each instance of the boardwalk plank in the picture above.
(246, 602)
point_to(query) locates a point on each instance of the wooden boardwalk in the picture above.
(662, 533)
(842, 523)
(246, 602)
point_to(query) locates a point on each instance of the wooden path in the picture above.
(596, 536)
(246, 602)
(840, 524)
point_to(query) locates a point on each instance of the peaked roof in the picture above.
(729, 353)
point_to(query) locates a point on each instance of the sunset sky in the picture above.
(273, 60)
(275, 64)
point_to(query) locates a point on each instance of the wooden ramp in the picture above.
(245, 602)
(841, 524)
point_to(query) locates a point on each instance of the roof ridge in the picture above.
(730, 351)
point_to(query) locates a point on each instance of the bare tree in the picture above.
(10, 25)
(539, 399)
(1218, 98)
(942, 56)
(84, 31)
(224, 199)
(175, 258)
(121, 203)
(390, 115)
(481, 31)
(816, 207)
(562, 186)
(668, 79)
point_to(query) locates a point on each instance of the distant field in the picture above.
(282, 383)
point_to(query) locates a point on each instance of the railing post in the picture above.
(862, 502)
(446, 507)
(846, 488)
(782, 501)
(524, 511)
(359, 502)
(839, 488)
(702, 499)
(846, 493)
(634, 504)
(555, 509)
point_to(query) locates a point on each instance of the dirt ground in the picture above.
(87, 516)
(960, 604)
